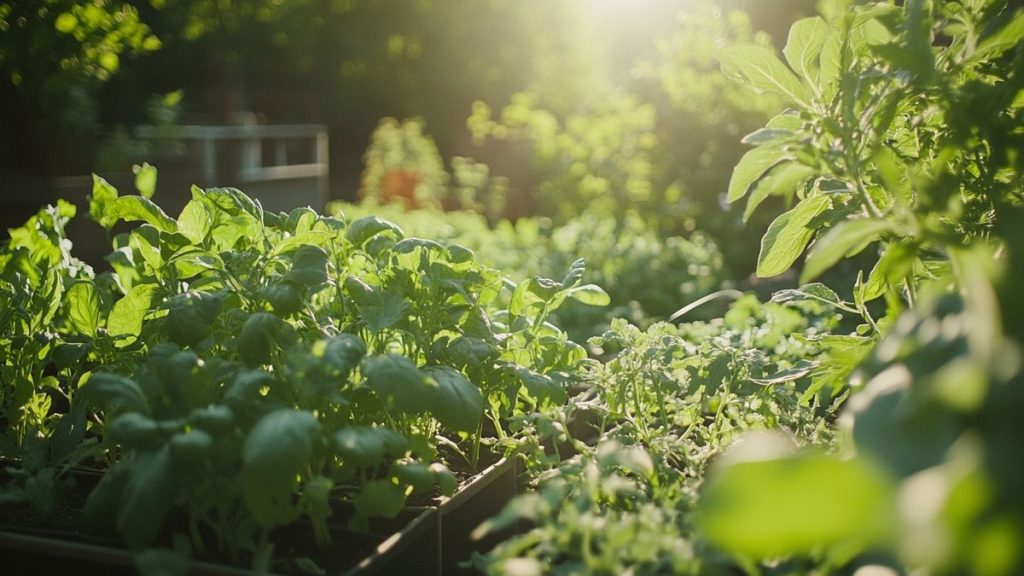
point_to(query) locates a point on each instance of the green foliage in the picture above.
(646, 277)
(894, 167)
(244, 369)
(618, 467)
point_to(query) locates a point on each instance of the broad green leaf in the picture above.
(806, 40)
(137, 208)
(84, 307)
(788, 235)
(831, 63)
(468, 351)
(398, 383)
(457, 403)
(190, 316)
(114, 394)
(367, 447)
(794, 503)
(751, 167)
(343, 353)
(101, 202)
(365, 228)
(763, 136)
(589, 294)
(815, 291)
(145, 179)
(784, 179)
(125, 320)
(763, 70)
(147, 498)
(194, 221)
(919, 36)
(277, 450)
(380, 498)
(845, 239)
(280, 446)
(309, 266)
(285, 297)
(378, 309)
(1009, 36)
(409, 244)
(259, 337)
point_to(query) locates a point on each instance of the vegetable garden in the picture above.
(309, 393)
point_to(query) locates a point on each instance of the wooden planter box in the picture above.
(427, 540)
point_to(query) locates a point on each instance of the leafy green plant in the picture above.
(893, 157)
(250, 369)
(624, 458)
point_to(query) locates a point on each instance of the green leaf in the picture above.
(365, 228)
(815, 291)
(367, 446)
(788, 235)
(114, 394)
(147, 498)
(145, 179)
(277, 450)
(137, 208)
(831, 62)
(378, 309)
(343, 353)
(194, 221)
(846, 239)
(101, 202)
(793, 501)
(783, 180)
(1007, 37)
(763, 70)
(309, 266)
(258, 338)
(806, 40)
(457, 403)
(84, 307)
(398, 383)
(285, 297)
(190, 316)
(751, 167)
(589, 294)
(380, 498)
(125, 320)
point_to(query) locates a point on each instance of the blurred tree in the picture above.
(54, 55)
